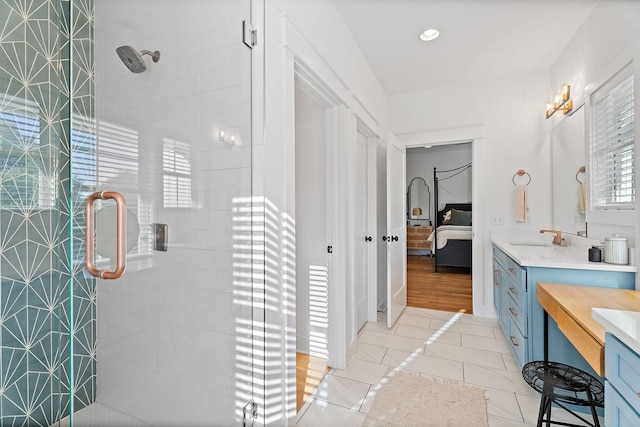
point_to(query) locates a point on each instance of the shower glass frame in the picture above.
(179, 328)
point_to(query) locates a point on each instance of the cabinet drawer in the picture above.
(500, 257)
(617, 412)
(518, 274)
(417, 237)
(519, 295)
(517, 342)
(418, 233)
(622, 369)
(518, 316)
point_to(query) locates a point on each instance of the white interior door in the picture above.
(361, 226)
(396, 230)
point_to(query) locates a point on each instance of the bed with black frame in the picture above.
(456, 252)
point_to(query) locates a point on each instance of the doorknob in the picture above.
(394, 238)
(385, 238)
(121, 215)
(330, 249)
(368, 238)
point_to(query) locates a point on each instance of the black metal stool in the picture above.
(560, 383)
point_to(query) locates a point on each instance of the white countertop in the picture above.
(625, 325)
(537, 253)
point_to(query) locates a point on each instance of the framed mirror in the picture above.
(569, 177)
(418, 202)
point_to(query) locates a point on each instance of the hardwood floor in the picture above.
(310, 371)
(449, 290)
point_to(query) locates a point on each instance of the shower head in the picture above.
(133, 59)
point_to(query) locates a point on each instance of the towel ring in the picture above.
(521, 172)
(581, 170)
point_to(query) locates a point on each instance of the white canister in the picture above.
(616, 250)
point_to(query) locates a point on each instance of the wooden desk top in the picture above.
(570, 306)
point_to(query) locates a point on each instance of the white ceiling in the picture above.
(479, 39)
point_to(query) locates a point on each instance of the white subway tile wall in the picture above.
(170, 332)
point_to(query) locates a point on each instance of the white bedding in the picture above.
(454, 232)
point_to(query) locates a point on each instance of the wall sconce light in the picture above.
(230, 140)
(227, 139)
(561, 102)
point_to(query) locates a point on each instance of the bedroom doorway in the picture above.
(440, 278)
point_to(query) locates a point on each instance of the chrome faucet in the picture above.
(557, 238)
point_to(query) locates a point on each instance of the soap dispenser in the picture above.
(595, 254)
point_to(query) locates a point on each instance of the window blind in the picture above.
(612, 144)
(176, 166)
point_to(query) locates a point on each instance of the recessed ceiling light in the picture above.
(427, 146)
(430, 34)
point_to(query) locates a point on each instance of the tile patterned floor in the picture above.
(435, 344)
(430, 343)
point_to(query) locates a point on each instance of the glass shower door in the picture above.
(161, 195)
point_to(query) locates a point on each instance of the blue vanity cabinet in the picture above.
(511, 303)
(622, 384)
(524, 326)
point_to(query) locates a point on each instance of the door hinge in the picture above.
(249, 413)
(249, 34)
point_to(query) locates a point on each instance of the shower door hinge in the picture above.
(249, 413)
(249, 34)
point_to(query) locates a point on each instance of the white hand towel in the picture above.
(521, 207)
(582, 200)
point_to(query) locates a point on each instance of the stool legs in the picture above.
(596, 421)
(545, 411)
(546, 402)
(545, 405)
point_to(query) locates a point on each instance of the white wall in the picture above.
(608, 40)
(516, 136)
(311, 218)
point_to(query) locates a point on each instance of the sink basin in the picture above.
(541, 250)
(528, 244)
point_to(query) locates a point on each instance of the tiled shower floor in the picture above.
(99, 415)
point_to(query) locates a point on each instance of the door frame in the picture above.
(305, 80)
(303, 65)
(482, 287)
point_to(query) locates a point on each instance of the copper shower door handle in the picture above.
(121, 215)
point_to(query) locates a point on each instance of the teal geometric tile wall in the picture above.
(37, 109)
(79, 132)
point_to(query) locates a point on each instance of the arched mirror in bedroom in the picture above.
(418, 202)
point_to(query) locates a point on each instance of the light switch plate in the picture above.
(497, 220)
